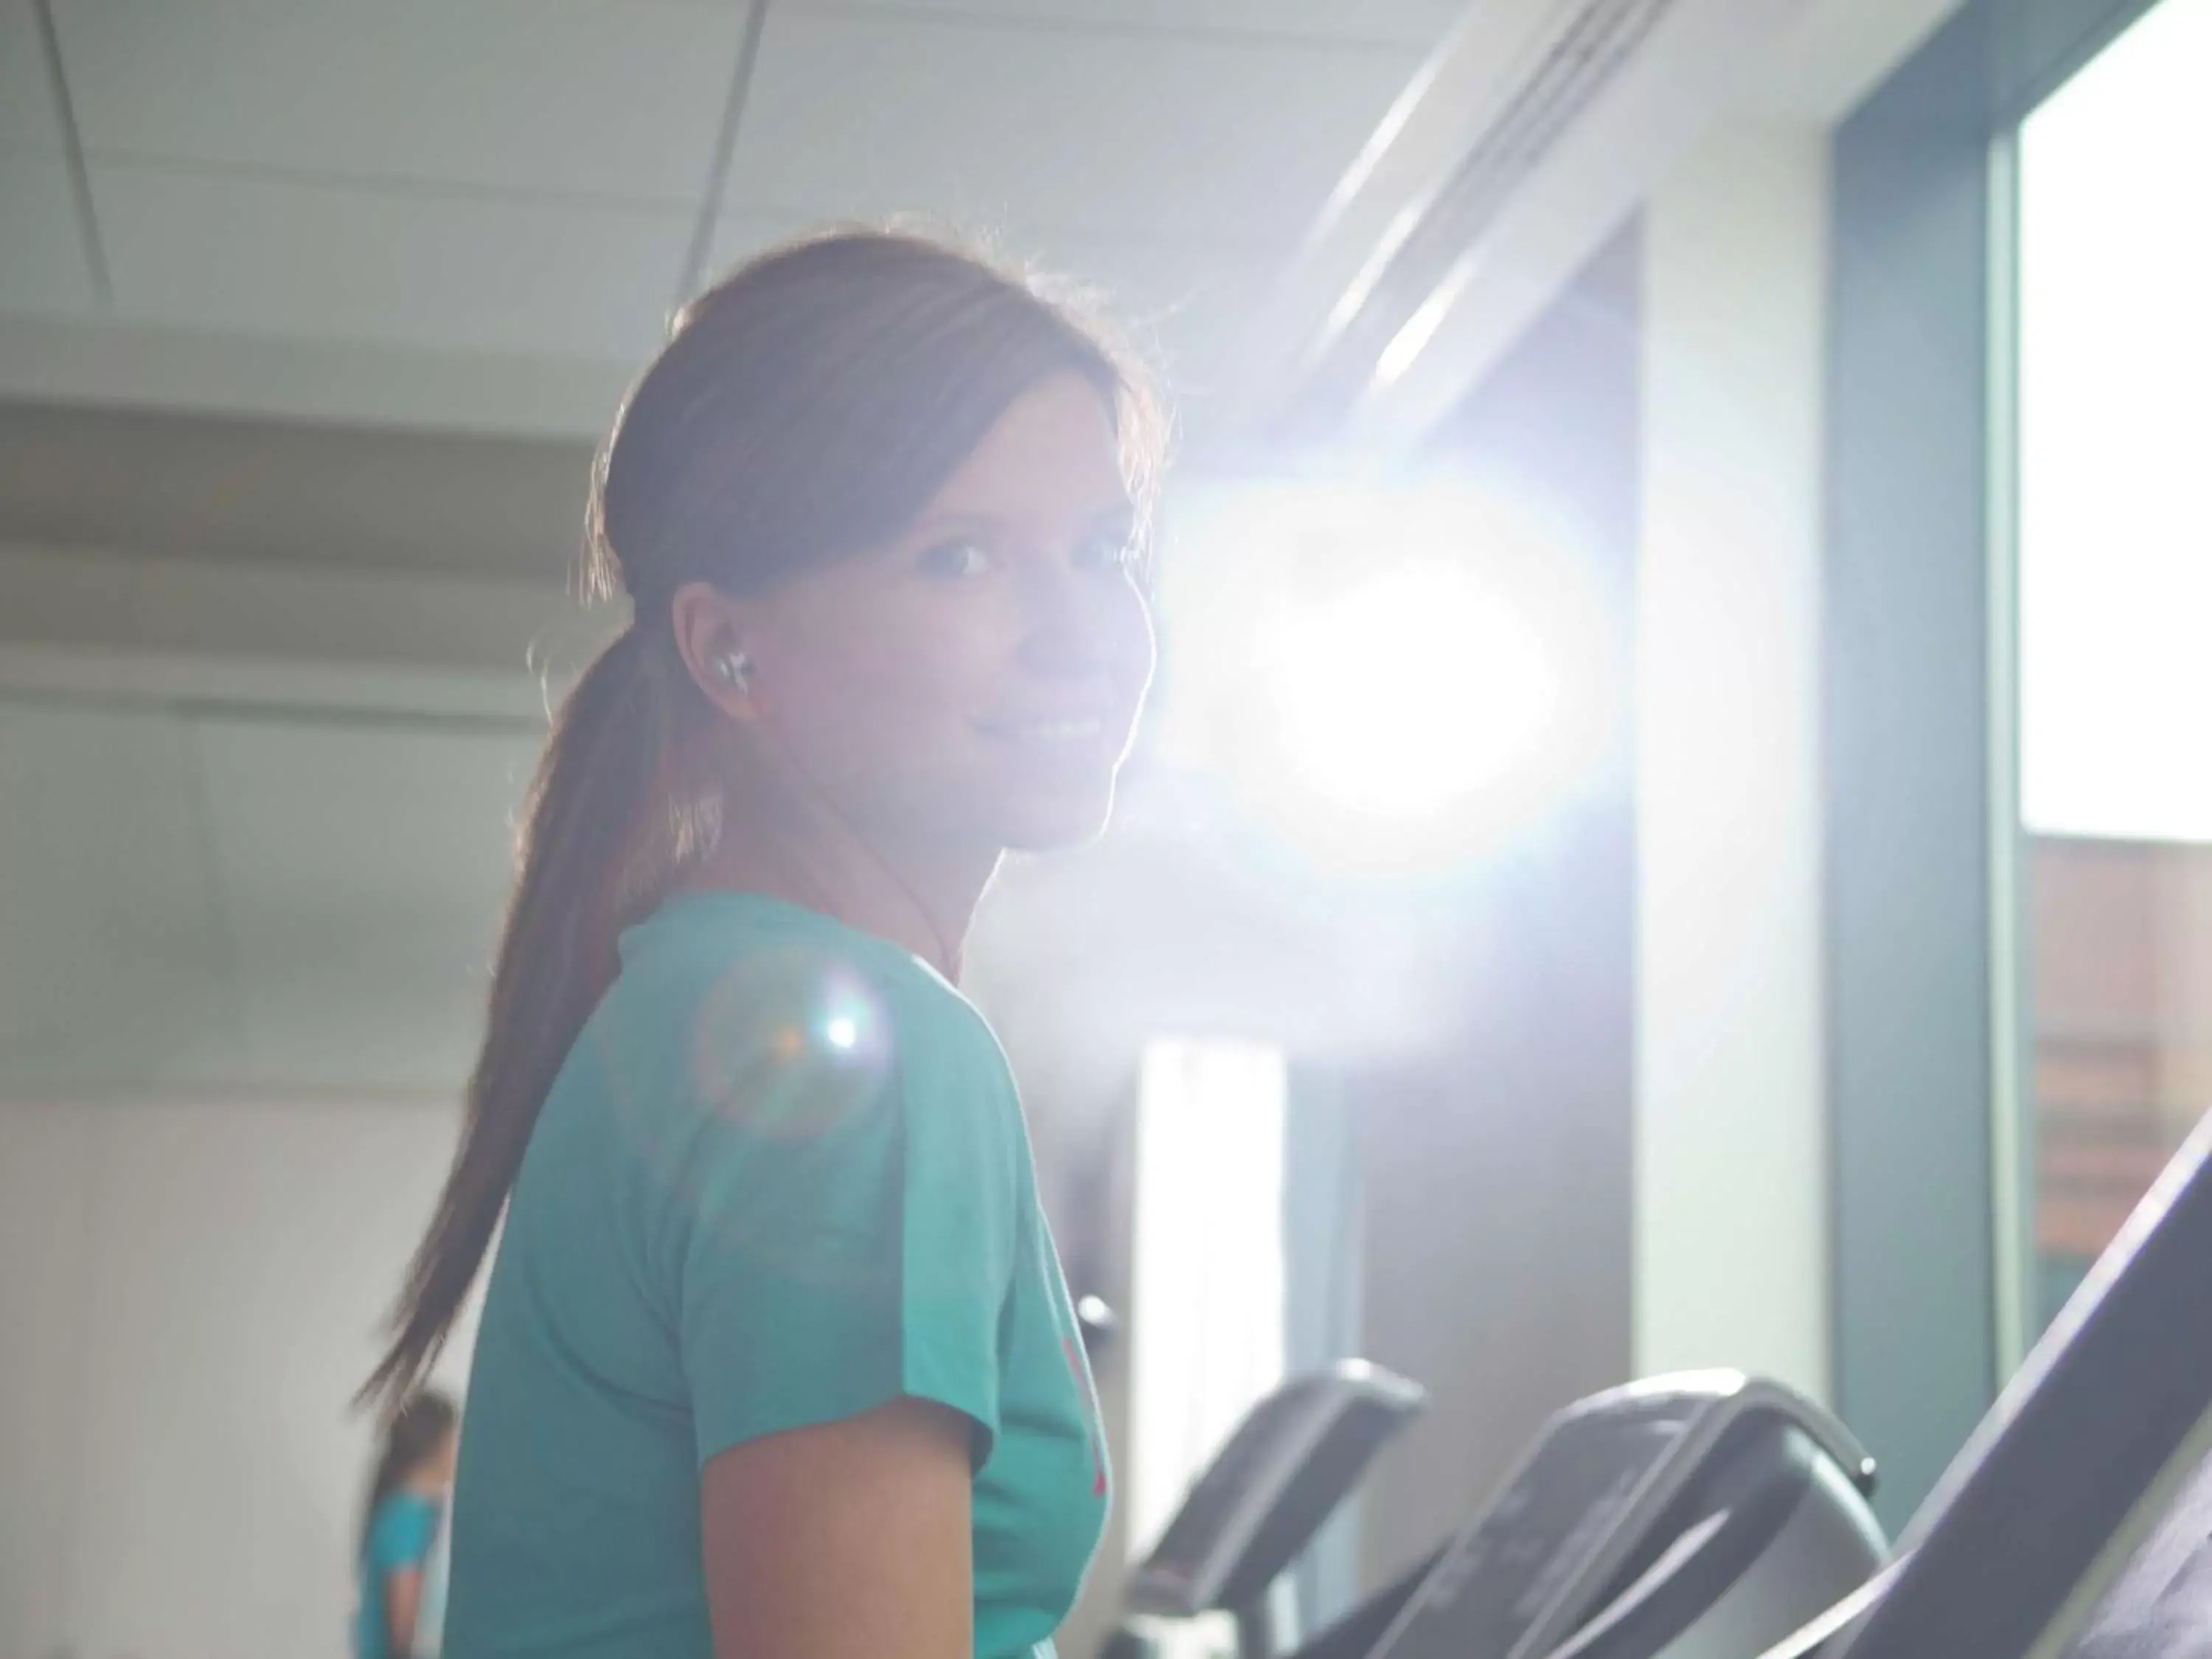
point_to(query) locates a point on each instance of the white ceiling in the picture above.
(505, 181)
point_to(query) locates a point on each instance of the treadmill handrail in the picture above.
(2105, 1407)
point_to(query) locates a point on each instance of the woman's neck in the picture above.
(919, 899)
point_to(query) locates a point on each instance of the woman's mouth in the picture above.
(1062, 732)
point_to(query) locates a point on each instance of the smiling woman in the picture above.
(970, 684)
(776, 1355)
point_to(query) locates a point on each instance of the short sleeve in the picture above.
(401, 1536)
(849, 1228)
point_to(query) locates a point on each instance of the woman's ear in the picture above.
(710, 637)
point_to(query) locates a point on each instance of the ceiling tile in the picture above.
(1169, 137)
(364, 871)
(42, 263)
(117, 973)
(593, 97)
(739, 237)
(1184, 307)
(1417, 23)
(266, 256)
(29, 124)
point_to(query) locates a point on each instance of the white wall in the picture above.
(1731, 1179)
(242, 959)
(190, 1294)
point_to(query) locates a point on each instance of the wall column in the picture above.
(1731, 1167)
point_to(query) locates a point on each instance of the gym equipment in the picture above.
(1707, 1514)
(2074, 1519)
(1292, 1460)
(1712, 1515)
(1703, 1515)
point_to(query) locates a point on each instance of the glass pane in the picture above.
(2116, 612)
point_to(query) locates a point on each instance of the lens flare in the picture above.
(1431, 668)
(1411, 691)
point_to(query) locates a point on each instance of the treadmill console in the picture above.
(1553, 1517)
(1708, 1514)
(1284, 1470)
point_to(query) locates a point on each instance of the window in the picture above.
(1206, 1338)
(2115, 642)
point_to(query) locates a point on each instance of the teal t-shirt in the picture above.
(782, 1178)
(399, 1536)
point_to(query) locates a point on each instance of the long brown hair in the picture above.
(805, 407)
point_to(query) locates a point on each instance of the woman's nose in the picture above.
(1080, 626)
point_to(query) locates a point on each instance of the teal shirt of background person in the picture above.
(400, 1534)
(781, 1179)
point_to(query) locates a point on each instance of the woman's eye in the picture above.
(955, 561)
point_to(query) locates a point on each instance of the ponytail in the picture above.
(603, 840)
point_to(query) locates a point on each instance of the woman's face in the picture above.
(974, 683)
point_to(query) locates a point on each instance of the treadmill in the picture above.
(2077, 1523)
(1675, 1518)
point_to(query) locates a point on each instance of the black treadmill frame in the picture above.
(2074, 1465)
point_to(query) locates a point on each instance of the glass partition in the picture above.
(2114, 588)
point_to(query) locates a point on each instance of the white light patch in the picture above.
(2115, 522)
(1398, 675)
(1415, 688)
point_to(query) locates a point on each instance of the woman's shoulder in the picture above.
(402, 1505)
(403, 1528)
(754, 1047)
(747, 987)
(762, 959)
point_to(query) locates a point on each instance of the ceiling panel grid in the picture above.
(522, 181)
(42, 257)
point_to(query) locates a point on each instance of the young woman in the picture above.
(399, 1523)
(776, 1359)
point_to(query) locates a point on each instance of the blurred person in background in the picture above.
(776, 1359)
(399, 1524)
